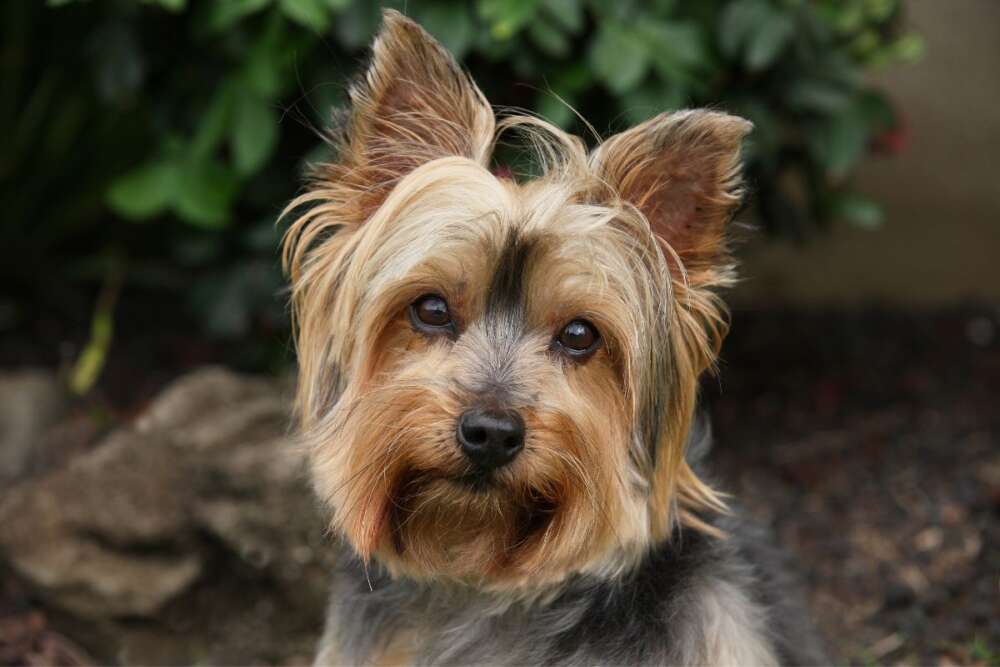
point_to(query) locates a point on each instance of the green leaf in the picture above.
(214, 123)
(205, 193)
(817, 95)
(451, 24)
(838, 67)
(684, 40)
(605, 11)
(266, 64)
(738, 21)
(573, 79)
(311, 14)
(676, 49)
(769, 41)
(548, 38)
(507, 17)
(567, 13)
(849, 18)
(880, 10)
(226, 13)
(866, 44)
(857, 209)
(354, 28)
(877, 110)
(647, 101)
(909, 48)
(254, 133)
(663, 7)
(144, 192)
(839, 142)
(175, 6)
(619, 59)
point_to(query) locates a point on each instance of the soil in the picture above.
(869, 440)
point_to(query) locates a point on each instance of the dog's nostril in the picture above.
(475, 435)
(490, 438)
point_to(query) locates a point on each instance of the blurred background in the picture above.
(148, 511)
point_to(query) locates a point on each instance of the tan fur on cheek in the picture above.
(380, 430)
(581, 437)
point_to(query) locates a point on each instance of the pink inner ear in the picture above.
(414, 105)
(504, 172)
(682, 170)
(672, 206)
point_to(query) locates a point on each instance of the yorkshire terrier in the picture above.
(498, 385)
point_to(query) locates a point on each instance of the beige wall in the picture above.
(941, 240)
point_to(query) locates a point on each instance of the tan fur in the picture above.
(630, 237)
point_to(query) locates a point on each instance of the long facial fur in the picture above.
(410, 207)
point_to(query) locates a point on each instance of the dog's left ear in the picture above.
(413, 105)
(682, 171)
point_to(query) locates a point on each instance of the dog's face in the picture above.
(497, 378)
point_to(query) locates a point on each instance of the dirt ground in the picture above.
(870, 440)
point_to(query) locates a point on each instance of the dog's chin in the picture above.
(477, 482)
(467, 526)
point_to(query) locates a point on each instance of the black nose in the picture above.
(490, 438)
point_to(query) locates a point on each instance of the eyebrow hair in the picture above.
(505, 295)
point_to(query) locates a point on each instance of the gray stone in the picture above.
(30, 402)
(202, 497)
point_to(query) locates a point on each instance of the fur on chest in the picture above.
(695, 605)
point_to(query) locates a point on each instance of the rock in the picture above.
(79, 533)
(202, 497)
(30, 402)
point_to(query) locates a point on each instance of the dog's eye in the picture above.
(431, 312)
(578, 338)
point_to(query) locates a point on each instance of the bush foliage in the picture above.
(159, 139)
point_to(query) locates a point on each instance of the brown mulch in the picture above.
(26, 637)
(870, 440)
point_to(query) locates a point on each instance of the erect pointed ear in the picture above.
(682, 171)
(413, 105)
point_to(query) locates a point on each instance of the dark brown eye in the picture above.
(578, 338)
(430, 312)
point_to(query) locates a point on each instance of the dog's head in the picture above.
(497, 378)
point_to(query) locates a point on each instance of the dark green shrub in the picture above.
(164, 136)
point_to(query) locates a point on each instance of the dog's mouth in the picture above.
(474, 523)
(476, 481)
(473, 480)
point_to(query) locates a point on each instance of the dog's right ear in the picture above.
(413, 105)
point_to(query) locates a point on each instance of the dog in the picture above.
(498, 385)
